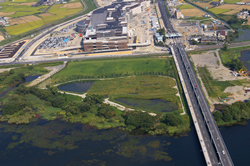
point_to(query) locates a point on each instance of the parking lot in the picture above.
(54, 42)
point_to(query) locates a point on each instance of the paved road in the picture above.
(210, 132)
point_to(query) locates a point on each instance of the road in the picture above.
(215, 146)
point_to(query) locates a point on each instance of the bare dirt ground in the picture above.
(104, 2)
(220, 73)
(192, 12)
(1, 37)
(238, 9)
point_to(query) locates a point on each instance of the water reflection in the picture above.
(78, 87)
(244, 36)
(60, 143)
(31, 78)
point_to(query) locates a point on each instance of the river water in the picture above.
(244, 36)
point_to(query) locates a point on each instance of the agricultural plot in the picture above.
(24, 19)
(72, 5)
(59, 12)
(219, 10)
(231, 1)
(186, 6)
(204, 5)
(21, 28)
(238, 9)
(192, 12)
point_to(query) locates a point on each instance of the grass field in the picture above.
(186, 6)
(110, 68)
(231, 1)
(215, 88)
(145, 87)
(218, 10)
(238, 9)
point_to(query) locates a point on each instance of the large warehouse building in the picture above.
(107, 27)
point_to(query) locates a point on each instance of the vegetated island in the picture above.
(30, 102)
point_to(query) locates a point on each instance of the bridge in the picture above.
(212, 144)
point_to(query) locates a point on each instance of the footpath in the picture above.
(106, 101)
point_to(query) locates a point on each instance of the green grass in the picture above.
(218, 10)
(110, 68)
(186, 6)
(140, 87)
(21, 28)
(215, 88)
(231, 1)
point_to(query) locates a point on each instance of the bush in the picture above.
(139, 120)
(84, 107)
(106, 111)
(173, 119)
(11, 71)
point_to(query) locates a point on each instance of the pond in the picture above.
(31, 78)
(78, 87)
(156, 105)
(58, 143)
(245, 58)
(244, 36)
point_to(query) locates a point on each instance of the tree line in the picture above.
(238, 111)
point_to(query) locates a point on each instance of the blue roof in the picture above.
(66, 40)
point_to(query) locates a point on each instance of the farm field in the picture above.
(219, 10)
(186, 6)
(232, 1)
(26, 23)
(192, 12)
(204, 5)
(238, 9)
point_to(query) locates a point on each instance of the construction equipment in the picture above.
(240, 70)
(79, 50)
(147, 9)
(245, 74)
(214, 26)
(80, 34)
(182, 1)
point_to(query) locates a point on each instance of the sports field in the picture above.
(219, 10)
(192, 12)
(186, 6)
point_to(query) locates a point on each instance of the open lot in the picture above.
(192, 12)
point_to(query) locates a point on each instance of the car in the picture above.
(223, 152)
(196, 85)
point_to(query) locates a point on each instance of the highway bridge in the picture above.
(212, 144)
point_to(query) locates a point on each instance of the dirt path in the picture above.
(8, 69)
(75, 94)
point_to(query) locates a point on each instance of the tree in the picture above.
(58, 102)
(72, 109)
(161, 31)
(84, 107)
(193, 42)
(173, 119)
(11, 107)
(11, 71)
(93, 99)
(106, 111)
(30, 67)
(140, 120)
(225, 46)
(227, 117)
(15, 78)
(164, 38)
(217, 116)
(21, 76)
